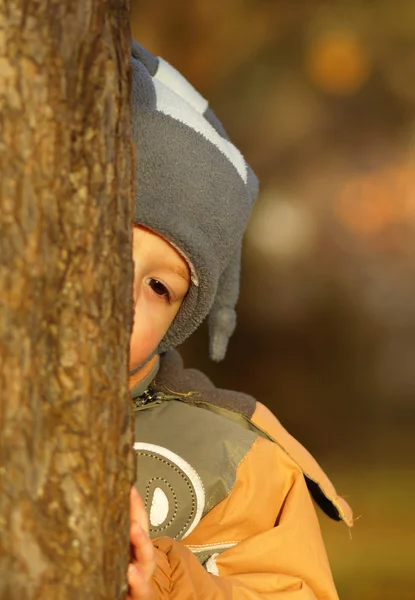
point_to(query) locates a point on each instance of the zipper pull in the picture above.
(150, 397)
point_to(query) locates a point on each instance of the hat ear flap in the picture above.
(222, 316)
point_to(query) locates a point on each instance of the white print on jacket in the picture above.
(175, 496)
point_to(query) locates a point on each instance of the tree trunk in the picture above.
(65, 299)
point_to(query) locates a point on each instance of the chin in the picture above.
(142, 360)
(138, 359)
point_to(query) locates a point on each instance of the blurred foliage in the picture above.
(320, 97)
(376, 561)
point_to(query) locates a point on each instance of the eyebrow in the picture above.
(181, 271)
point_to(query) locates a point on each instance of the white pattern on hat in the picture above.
(179, 85)
(170, 103)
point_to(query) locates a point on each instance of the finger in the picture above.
(143, 551)
(139, 588)
(138, 511)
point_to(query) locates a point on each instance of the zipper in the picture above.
(151, 398)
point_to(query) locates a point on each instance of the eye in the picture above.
(158, 288)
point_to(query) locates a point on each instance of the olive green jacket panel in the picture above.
(187, 459)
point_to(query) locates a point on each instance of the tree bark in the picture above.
(65, 299)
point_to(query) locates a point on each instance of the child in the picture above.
(226, 488)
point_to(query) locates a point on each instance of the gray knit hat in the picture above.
(194, 188)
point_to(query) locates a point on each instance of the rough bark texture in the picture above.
(65, 298)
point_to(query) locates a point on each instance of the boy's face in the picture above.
(161, 282)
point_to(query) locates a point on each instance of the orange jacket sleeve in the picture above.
(268, 525)
(180, 576)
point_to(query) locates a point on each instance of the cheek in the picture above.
(145, 338)
(151, 322)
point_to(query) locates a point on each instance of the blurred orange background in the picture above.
(320, 97)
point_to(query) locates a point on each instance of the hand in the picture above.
(142, 564)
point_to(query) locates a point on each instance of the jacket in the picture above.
(228, 492)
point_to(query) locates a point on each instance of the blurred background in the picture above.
(320, 97)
